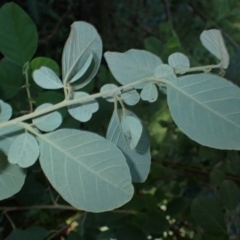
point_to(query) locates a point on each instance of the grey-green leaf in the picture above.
(206, 108)
(82, 42)
(18, 34)
(88, 171)
(7, 136)
(11, 178)
(109, 87)
(5, 111)
(83, 111)
(132, 65)
(149, 92)
(164, 71)
(138, 159)
(229, 194)
(130, 97)
(178, 61)
(24, 150)
(49, 121)
(47, 78)
(208, 214)
(213, 41)
(132, 128)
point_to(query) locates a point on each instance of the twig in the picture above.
(9, 219)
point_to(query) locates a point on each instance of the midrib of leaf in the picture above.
(200, 103)
(210, 216)
(71, 157)
(80, 55)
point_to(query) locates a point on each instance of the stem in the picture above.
(25, 72)
(201, 68)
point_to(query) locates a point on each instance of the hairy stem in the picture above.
(25, 72)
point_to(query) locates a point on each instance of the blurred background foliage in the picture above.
(192, 191)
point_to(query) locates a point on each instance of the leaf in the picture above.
(132, 65)
(207, 213)
(83, 111)
(83, 69)
(46, 78)
(108, 87)
(217, 176)
(5, 111)
(82, 42)
(130, 231)
(11, 178)
(7, 136)
(229, 194)
(213, 41)
(39, 62)
(132, 128)
(178, 61)
(87, 170)
(18, 34)
(138, 159)
(164, 71)
(39, 233)
(24, 150)
(130, 97)
(153, 45)
(149, 92)
(49, 121)
(11, 79)
(206, 108)
(18, 234)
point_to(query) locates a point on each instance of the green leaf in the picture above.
(49, 121)
(7, 136)
(213, 41)
(153, 45)
(178, 61)
(83, 111)
(11, 79)
(108, 87)
(46, 78)
(208, 214)
(5, 111)
(138, 159)
(132, 65)
(132, 128)
(164, 71)
(39, 233)
(130, 96)
(206, 108)
(129, 231)
(87, 170)
(18, 234)
(11, 178)
(24, 150)
(18, 34)
(149, 92)
(229, 194)
(82, 42)
(217, 176)
(39, 62)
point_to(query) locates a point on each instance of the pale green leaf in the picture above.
(11, 178)
(213, 41)
(178, 61)
(138, 159)
(206, 108)
(24, 150)
(82, 42)
(87, 170)
(229, 194)
(83, 69)
(49, 121)
(18, 34)
(208, 214)
(164, 71)
(5, 111)
(149, 92)
(132, 65)
(130, 96)
(83, 111)
(109, 87)
(47, 78)
(132, 128)
(7, 136)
